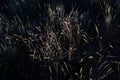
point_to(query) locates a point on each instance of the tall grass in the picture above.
(79, 45)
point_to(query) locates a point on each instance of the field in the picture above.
(59, 40)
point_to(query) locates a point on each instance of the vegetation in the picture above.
(61, 40)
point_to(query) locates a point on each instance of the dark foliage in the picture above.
(59, 40)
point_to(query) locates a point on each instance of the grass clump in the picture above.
(58, 43)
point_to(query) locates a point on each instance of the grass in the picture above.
(82, 44)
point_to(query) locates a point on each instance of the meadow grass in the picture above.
(75, 45)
